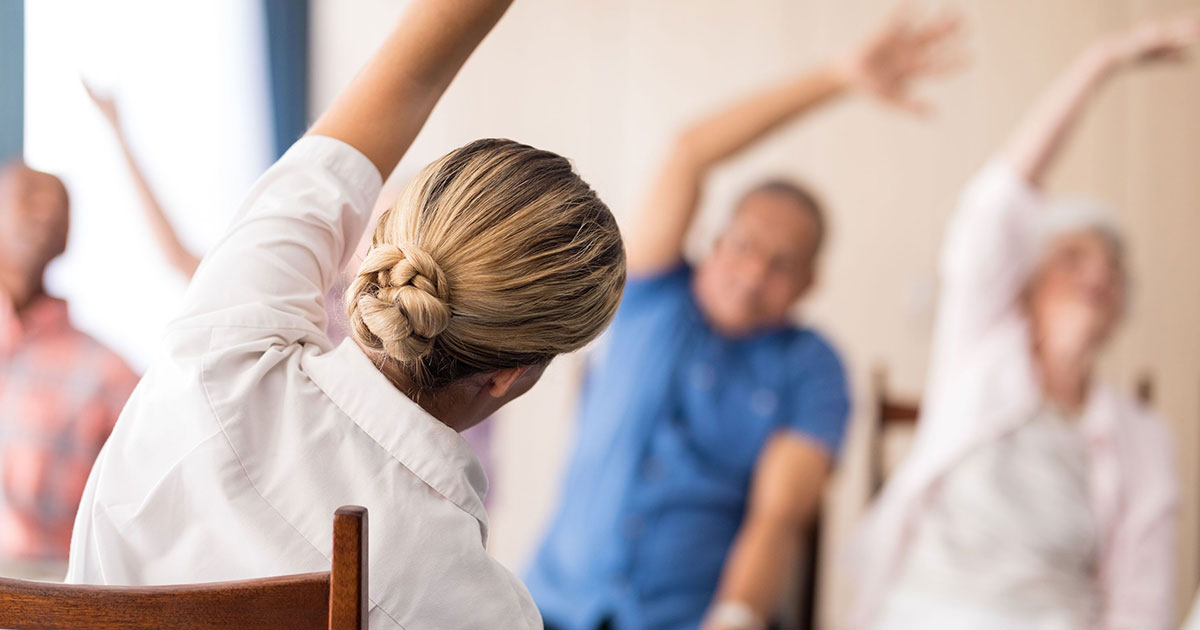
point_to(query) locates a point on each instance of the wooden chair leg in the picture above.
(348, 581)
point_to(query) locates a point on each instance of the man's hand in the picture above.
(902, 51)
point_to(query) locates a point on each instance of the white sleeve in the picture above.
(985, 256)
(300, 222)
(1141, 556)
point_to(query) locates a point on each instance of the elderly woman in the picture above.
(1035, 496)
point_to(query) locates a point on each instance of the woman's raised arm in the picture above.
(1045, 129)
(301, 220)
(384, 107)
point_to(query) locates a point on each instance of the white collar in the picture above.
(434, 452)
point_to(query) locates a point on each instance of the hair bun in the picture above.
(408, 307)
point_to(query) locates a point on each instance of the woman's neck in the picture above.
(442, 405)
(1065, 375)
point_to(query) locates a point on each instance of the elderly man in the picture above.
(60, 390)
(710, 424)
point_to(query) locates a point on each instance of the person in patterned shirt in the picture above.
(60, 390)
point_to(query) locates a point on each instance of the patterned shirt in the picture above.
(60, 394)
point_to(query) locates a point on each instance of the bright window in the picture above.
(190, 80)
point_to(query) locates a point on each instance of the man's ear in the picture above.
(807, 282)
(501, 382)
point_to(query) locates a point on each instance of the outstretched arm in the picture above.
(304, 216)
(885, 65)
(168, 241)
(785, 494)
(980, 280)
(384, 107)
(1038, 139)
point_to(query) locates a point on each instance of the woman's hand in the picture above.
(1158, 40)
(1036, 141)
(901, 51)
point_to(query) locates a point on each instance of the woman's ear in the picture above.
(501, 382)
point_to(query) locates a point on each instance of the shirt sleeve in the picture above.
(821, 403)
(645, 291)
(985, 257)
(651, 302)
(296, 229)
(1139, 570)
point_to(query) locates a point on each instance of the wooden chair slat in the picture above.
(335, 599)
(296, 601)
(887, 411)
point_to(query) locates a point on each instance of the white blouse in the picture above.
(249, 430)
(1008, 540)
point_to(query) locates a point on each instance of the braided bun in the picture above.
(530, 255)
(402, 301)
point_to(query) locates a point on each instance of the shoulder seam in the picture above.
(221, 427)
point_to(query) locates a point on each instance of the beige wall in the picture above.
(607, 82)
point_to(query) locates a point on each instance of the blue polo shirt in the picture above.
(673, 418)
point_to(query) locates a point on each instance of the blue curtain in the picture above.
(287, 58)
(12, 79)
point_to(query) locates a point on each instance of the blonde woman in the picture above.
(250, 429)
(1035, 496)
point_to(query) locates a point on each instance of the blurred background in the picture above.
(211, 92)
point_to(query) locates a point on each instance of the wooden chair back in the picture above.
(809, 579)
(333, 600)
(887, 411)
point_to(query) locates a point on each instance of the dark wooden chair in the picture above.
(809, 578)
(888, 411)
(333, 600)
(1145, 388)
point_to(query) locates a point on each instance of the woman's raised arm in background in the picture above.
(1040, 135)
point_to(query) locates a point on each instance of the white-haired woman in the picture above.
(1034, 496)
(250, 428)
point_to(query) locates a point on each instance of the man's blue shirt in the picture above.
(673, 417)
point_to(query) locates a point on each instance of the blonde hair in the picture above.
(497, 255)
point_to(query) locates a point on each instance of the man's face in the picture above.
(33, 219)
(1077, 295)
(760, 266)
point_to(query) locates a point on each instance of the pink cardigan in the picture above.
(982, 384)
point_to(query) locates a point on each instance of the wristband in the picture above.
(733, 614)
